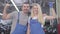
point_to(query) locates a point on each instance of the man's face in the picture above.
(25, 8)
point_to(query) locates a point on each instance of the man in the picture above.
(23, 16)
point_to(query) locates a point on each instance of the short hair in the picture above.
(26, 3)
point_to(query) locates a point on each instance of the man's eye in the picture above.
(27, 6)
(24, 6)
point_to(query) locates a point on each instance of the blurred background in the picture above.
(49, 28)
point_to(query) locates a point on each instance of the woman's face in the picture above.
(35, 9)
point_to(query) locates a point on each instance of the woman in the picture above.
(36, 20)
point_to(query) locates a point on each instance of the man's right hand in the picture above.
(7, 6)
(5, 15)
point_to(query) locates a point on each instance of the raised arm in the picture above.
(5, 15)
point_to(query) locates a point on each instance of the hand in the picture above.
(7, 4)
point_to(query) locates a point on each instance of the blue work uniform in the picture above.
(35, 27)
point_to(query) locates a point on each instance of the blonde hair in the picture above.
(40, 16)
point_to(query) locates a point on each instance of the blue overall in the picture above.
(19, 29)
(35, 27)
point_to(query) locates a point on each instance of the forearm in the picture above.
(50, 17)
(53, 12)
(5, 12)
